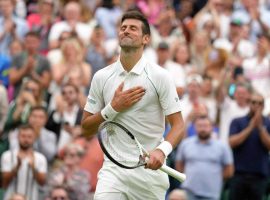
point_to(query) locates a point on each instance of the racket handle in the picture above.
(172, 172)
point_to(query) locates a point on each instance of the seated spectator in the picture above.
(30, 64)
(24, 170)
(30, 95)
(45, 140)
(71, 175)
(11, 26)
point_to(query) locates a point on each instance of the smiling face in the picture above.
(131, 35)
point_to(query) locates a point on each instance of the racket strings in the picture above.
(121, 146)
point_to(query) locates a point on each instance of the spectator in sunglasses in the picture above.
(250, 142)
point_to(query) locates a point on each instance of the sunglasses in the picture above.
(254, 102)
(59, 198)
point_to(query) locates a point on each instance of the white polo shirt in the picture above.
(146, 118)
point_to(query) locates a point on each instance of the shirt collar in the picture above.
(137, 69)
(209, 141)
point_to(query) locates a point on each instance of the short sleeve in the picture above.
(6, 162)
(168, 96)
(40, 163)
(227, 156)
(95, 102)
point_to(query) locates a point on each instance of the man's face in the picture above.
(37, 118)
(203, 128)
(6, 7)
(256, 103)
(131, 35)
(26, 138)
(70, 95)
(31, 43)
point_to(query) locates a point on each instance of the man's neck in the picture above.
(129, 59)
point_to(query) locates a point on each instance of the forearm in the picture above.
(90, 124)
(8, 176)
(39, 177)
(16, 75)
(239, 138)
(177, 129)
(265, 137)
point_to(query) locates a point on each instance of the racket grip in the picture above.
(172, 172)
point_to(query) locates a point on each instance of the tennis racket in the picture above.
(123, 149)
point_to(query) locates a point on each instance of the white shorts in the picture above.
(116, 183)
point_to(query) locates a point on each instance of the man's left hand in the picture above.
(156, 159)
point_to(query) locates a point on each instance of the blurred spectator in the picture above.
(3, 107)
(11, 26)
(96, 54)
(55, 55)
(30, 64)
(71, 175)
(107, 16)
(15, 48)
(230, 109)
(72, 15)
(201, 157)
(256, 15)
(164, 60)
(24, 170)
(4, 70)
(177, 194)
(58, 193)
(30, 95)
(152, 9)
(167, 29)
(193, 99)
(45, 140)
(199, 50)
(72, 64)
(92, 161)
(17, 197)
(42, 22)
(257, 68)
(250, 141)
(66, 116)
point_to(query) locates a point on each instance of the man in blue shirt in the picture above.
(205, 161)
(250, 141)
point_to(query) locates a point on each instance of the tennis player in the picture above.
(138, 95)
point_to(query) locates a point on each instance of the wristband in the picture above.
(108, 113)
(165, 147)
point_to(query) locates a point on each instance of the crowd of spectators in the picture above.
(217, 52)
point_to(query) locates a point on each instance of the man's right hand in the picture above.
(125, 99)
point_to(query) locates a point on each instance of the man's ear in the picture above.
(146, 39)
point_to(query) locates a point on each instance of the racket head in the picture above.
(120, 145)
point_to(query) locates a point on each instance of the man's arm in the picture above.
(8, 176)
(90, 123)
(121, 101)
(264, 136)
(180, 166)
(228, 171)
(157, 157)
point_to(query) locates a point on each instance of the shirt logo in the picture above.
(92, 101)
(176, 99)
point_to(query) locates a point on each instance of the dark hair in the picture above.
(59, 187)
(42, 108)
(71, 85)
(33, 34)
(25, 127)
(134, 14)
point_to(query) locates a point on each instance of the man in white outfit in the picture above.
(138, 95)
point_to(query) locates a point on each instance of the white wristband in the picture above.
(108, 113)
(165, 147)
